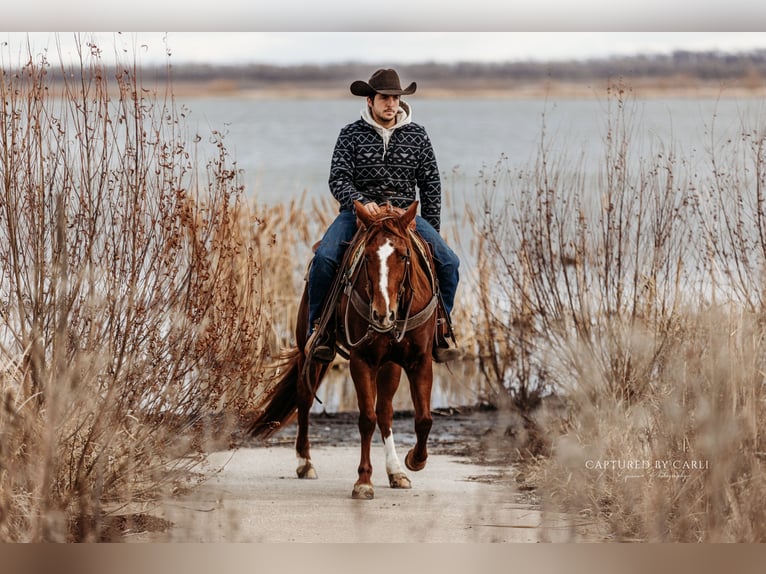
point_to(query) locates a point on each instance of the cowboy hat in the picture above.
(384, 81)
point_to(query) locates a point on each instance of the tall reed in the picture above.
(131, 297)
(633, 295)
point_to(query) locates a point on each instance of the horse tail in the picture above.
(281, 398)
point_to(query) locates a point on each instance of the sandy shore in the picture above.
(643, 89)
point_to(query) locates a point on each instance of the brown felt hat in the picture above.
(384, 81)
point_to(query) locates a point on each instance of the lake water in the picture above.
(284, 146)
(284, 149)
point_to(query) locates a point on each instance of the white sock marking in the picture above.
(393, 465)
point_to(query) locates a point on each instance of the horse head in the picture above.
(387, 255)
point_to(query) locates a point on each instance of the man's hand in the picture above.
(373, 208)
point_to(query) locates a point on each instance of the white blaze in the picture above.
(384, 252)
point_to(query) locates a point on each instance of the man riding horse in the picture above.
(382, 158)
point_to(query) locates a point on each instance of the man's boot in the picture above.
(443, 350)
(320, 346)
(446, 354)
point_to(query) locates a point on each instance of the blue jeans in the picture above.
(329, 254)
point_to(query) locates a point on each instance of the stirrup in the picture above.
(317, 351)
(443, 351)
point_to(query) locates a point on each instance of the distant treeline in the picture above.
(701, 66)
(711, 65)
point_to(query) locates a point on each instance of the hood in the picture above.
(403, 117)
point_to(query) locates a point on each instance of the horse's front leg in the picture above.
(421, 380)
(364, 382)
(388, 381)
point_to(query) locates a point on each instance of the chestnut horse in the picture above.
(385, 319)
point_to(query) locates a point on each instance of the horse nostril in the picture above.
(391, 316)
(375, 316)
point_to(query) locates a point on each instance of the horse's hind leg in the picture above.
(388, 382)
(421, 381)
(305, 394)
(305, 400)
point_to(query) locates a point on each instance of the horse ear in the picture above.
(361, 213)
(408, 217)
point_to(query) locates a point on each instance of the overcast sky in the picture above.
(286, 48)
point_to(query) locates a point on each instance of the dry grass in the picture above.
(131, 300)
(634, 298)
(693, 436)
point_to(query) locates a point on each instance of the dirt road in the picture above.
(467, 493)
(256, 497)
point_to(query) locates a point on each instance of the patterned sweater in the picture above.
(370, 163)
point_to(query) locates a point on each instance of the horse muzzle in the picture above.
(383, 322)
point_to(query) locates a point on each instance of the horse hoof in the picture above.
(363, 492)
(307, 471)
(399, 480)
(410, 463)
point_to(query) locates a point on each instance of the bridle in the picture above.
(363, 308)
